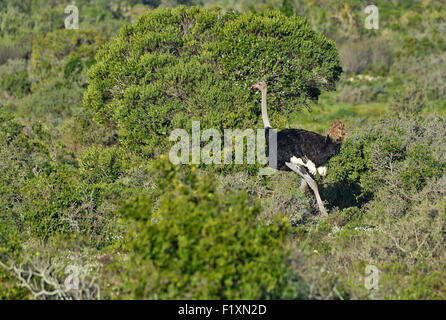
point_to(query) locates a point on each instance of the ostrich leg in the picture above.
(313, 185)
(303, 185)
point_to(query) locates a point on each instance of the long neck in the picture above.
(266, 123)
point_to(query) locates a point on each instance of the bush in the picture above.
(10, 53)
(422, 81)
(419, 47)
(22, 156)
(197, 243)
(64, 52)
(41, 196)
(64, 203)
(399, 154)
(47, 200)
(52, 101)
(41, 272)
(81, 131)
(389, 183)
(361, 92)
(14, 78)
(103, 164)
(9, 287)
(183, 64)
(410, 102)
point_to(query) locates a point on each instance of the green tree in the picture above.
(183, 64)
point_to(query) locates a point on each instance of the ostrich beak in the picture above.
(255, 85)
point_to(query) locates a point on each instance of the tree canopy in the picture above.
(191, 63)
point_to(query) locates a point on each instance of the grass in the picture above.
(321, 115)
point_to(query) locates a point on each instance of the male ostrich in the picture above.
(302, 151)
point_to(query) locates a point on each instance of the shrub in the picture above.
(81, 131)
(43, 269)
(103, 164)
(14, 78)
(64, 52)
(279, 195)
(22, 156)
(362, 92)
(197, 243)
(183, 64)
(389, 180)
(53, 203)
(423, 46)
(10, 53)
(359, 56)
(9, 287)
(410, 102)
(41, 196)
(52, 101)
(402, 155)
(422, 78)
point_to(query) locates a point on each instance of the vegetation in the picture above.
(86, 185)
(217, 250)
(190, 63)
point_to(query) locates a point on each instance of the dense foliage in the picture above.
(83, 184)
(191, 63)
(198, 243)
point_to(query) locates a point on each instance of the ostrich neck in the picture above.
(266, 123)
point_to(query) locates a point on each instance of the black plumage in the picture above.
(299, 143)
(304, 152)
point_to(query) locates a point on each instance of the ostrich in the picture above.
(302, 151)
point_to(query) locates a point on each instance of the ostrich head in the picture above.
(337, 131)
(261, 85)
